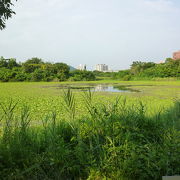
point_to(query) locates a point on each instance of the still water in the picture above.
(95, 87)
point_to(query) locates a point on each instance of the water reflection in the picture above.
(110, 88)
(95, 87)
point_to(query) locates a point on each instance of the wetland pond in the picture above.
(95, 87)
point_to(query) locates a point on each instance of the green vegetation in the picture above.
(42, 97)
(149, 70)
(36, 69)
(6, 12)
(115, 141)
(48, 133)
(78, 75)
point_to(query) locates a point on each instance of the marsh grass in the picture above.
(113, 141)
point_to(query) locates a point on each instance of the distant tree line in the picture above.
(36, 69)
(150, 70)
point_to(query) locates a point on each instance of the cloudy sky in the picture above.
(114, 32)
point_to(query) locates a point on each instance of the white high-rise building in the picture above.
(101, 67)
(81, 67)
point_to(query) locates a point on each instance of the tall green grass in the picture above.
(114, 141)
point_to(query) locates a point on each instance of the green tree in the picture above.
(34, 60)
(37, 75)
(6, 12)
(169, 60)
(29, 68)
(3, 62)
(78, 75)
(20, 77)
(6, 74)
(61, 76)
(12, 63)
(62, 71)
(121, 74)
(8, 63)
(138, 66)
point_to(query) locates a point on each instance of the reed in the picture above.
(114, 141)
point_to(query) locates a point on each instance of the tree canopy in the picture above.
(149, 70)
(6, 12)
(35, 69)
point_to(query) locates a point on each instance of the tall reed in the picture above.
(111, 141)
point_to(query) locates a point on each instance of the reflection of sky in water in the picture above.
(95, 88)
(108, 89)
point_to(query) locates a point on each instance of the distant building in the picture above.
(101, 67)
(81, 67)
(176, 55)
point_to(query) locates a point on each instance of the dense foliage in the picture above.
(78, 75)
(36, 69)
(150, 70)
(6, 12)
(111, 142)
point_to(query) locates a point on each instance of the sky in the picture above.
(112, 32)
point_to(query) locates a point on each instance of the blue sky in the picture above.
(90, 32)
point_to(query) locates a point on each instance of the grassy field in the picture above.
(43, 98)
(48, 133)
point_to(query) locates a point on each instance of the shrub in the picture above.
(82, 76)
(127, 78)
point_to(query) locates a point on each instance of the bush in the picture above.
(61, 76)
(6, 74)
(127, 78)
(20, 77)
(37, 75)
(82, 76)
